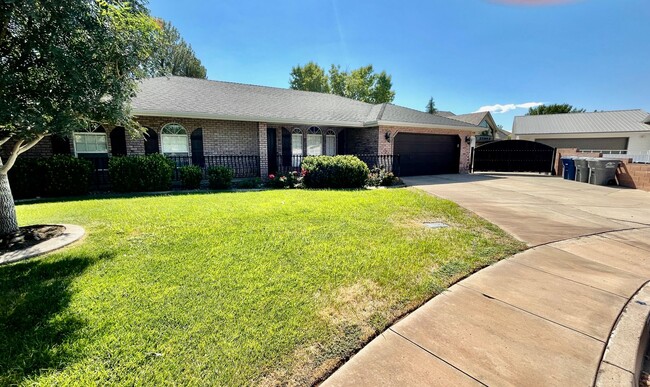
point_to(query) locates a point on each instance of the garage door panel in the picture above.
(427, 154)
(613, 143)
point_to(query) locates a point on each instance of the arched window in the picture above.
(314, 141)
(174, 139)
(92, 140)
(330, 143)
(296, 142)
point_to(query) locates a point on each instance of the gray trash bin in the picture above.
(582, 169)
(602, 171)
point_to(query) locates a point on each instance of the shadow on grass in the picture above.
(33, 318)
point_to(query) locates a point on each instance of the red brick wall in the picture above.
(362, 140)
(386, 147)
(628, 174)
(219, 137)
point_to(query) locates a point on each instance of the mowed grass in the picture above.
(228, 288)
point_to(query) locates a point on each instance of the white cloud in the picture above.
(507, 107)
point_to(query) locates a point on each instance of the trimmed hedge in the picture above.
(220, 177)
(59, 175)
(334, 172)
(191, 176)
(140, 173)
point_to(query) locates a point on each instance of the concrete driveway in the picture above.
(543, 317)
(538, 208)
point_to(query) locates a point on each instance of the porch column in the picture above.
(263, 150)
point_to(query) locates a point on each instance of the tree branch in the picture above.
(12, 157)
(4, 140)
(30, 144)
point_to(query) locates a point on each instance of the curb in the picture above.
(622, 361)
(71, 234)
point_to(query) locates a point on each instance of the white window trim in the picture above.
(294, 135)
(89, 134)
(164, 135)
(315, 132)
(330, 135)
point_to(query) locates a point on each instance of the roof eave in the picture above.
(270, 120)
(429, 126)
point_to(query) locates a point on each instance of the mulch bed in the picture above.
(29, 236)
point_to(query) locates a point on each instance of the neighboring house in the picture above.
(209, 122)
(623, 131)
(491, 131)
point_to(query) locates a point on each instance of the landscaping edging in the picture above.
(71, 234)
(623, 357)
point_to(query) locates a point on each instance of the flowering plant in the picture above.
(287, 180)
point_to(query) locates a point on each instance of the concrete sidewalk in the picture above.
(542, 317)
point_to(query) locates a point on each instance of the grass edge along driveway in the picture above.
(228, 288)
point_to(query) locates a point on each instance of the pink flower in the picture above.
(271, 176)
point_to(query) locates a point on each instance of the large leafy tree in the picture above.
(310, 77)
(174, 56)
(553, 109)
(66, 65)
(431, 107)
(362, 84)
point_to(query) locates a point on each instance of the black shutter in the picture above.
(286, 148)
(340, 143)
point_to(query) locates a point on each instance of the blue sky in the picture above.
(466, 54)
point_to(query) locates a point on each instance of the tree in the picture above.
(173, 56)
(361, 84)
(65, 67)
(431, 107)
(310, 77)
(553, 109)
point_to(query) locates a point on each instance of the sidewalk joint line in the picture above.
(572, 280)
(436, 356)
(531, 313)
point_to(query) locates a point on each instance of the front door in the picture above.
(272, 149)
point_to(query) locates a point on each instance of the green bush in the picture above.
(254, 182)
(67, 176)
(286, 180)
(334, 172)
(191, 176)
(60, 175)
(219, 177)
(140, 173)
(381, 177)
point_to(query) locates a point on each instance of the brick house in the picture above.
(258, 129)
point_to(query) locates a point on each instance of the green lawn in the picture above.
(228, 288)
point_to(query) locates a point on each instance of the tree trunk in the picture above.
(8, 220)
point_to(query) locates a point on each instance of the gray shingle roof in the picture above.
(471, 118)
(190, 97)
(596, 122)
(395, 113)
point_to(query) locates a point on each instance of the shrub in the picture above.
(219, 177)
(26, 177)
(60, 175)
(140, 173)
(287, 180)
(254, 182)
(380, 177)
(191, 176)
(67, 175)
(334, 172)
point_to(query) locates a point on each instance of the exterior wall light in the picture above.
(387, 136)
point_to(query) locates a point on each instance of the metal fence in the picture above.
(243, 166)
(640, 158)
(391, 163)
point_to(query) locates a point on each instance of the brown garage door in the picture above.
(427, 154)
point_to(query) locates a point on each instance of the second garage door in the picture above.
(427, 154)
